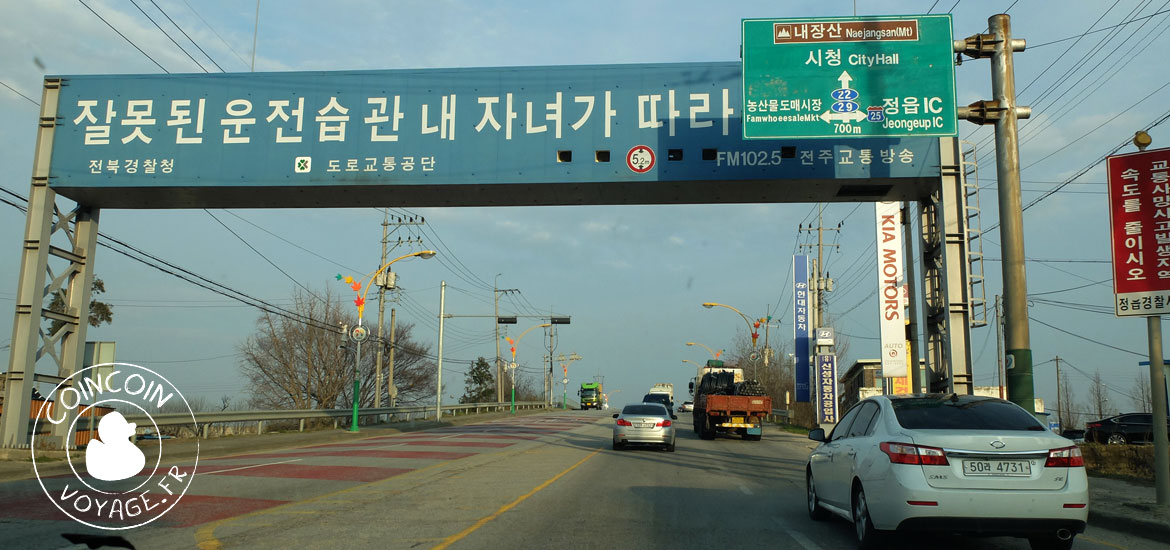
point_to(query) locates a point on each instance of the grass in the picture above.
(1132, 462)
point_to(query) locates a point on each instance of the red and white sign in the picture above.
(1139, 222)
(891, 279)
(640, 159)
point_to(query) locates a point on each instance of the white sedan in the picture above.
(948, 464)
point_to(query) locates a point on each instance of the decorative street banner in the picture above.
(848, 77)
(801, 328)
(826, 389)
(613, 134)
(891, 276)
(1139, 221)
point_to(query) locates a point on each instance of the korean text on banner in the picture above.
(826, 389)
(800, 327)
(1139, 221)
(891, 276)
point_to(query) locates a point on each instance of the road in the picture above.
(542, 481)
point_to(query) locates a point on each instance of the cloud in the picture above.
(676, 240)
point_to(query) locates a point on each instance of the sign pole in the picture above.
(1157, 387)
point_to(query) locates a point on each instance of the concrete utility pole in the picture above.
(439, 372)
(496, 292)
(386, 282)
(1003, 112)
(1157, 386)
(1059, 411)
(908, 236)
(391, 389)
(821, 284)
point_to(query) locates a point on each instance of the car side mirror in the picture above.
(817, 434)
(615, 415)
(673, 417)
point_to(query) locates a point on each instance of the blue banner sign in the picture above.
(610, 134)
(826, 389)
(800, 326)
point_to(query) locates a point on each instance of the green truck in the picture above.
(590, 394)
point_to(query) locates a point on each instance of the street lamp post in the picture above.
(714, 354)
(359, 333)
(751, 327)
(512, 366)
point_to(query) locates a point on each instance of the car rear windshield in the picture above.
(656, 410)
(656, 398)
(933, 413)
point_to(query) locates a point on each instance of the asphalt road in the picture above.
(541, 481)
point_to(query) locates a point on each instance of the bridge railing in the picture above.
(404, 414)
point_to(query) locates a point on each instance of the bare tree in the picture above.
(1098, 397)
(1143, 398)
(293, 365)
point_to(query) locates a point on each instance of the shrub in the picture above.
(1129, 461)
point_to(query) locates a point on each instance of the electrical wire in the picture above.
(96, 14)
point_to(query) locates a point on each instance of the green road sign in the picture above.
(889, 76)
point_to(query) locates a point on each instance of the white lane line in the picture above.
(745, 490)
(802, 540)
(246, 467)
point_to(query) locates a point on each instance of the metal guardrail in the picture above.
(406, 414)
(778, 415)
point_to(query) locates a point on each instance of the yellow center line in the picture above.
(1101, 542)
(484, 521)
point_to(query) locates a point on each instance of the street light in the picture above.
(565, 362)
(693, 363)
(512, 366)
(360, 302)
(714, 354)
(751, 326)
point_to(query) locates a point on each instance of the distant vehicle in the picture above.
(715, 365)
(948, 463)
(687, 406)
(660, 398)
(644, 424)
(667, 389)
(1076, 436)
(590, 394)
(1122, 429)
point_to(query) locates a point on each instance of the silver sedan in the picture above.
(644, 424)
(949, 464)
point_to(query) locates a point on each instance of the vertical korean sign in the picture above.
(800, 327)
(891, 275)
(826, 389)
(1139, 222)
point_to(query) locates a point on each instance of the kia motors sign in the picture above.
(1139, 222)
(891, 277)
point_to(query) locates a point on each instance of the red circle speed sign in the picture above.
(640, 159)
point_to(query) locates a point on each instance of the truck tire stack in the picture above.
(750, 387)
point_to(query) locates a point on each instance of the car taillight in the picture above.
(1067, 457)
(623, 422)
(1093, 425)
(663, 424)
(905, 453)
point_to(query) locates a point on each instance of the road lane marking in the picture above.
(1101, 542)
(484, 521)
(246, 467)
(802, 540)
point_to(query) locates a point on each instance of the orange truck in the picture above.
(724, 406)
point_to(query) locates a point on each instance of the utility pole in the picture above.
(548, 376)
(387, 281)
(391, 389)
(1059, 410)
(908, 237)
(496, 292)
(822, 283)
(439, 371)
(1003, 112)
(999, 347)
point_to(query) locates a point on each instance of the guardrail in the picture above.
(405, 414)
(777, 415)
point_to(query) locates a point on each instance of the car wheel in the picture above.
(1117, 439)
(1050, 543)
(618, 446)
(867, 536)
(670, 447)
(815, 512)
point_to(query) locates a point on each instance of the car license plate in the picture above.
(997, 468)
(737, 420)
(645, 424)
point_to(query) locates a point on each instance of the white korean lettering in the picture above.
(278, 111)
(446, 126)
(181, 116)
(331, 127)
(702, 107)
(237, 108)
(588, 100)
(138, 112)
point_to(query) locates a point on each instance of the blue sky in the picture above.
(632, 277)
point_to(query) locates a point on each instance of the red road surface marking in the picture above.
(458, 444)
(333, 473)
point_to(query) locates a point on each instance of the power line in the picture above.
(1122, 24)
(164, 12)
(123, 36)
(160, 29)
(1086, 338)
(17, 92)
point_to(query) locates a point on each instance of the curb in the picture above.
(1152, 530)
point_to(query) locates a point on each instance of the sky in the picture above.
(631, 277)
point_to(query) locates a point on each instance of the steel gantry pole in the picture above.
(1003, 112)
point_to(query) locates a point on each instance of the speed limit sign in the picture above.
(640, 159)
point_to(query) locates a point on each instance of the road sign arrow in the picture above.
(830, 117)
(845, 79)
